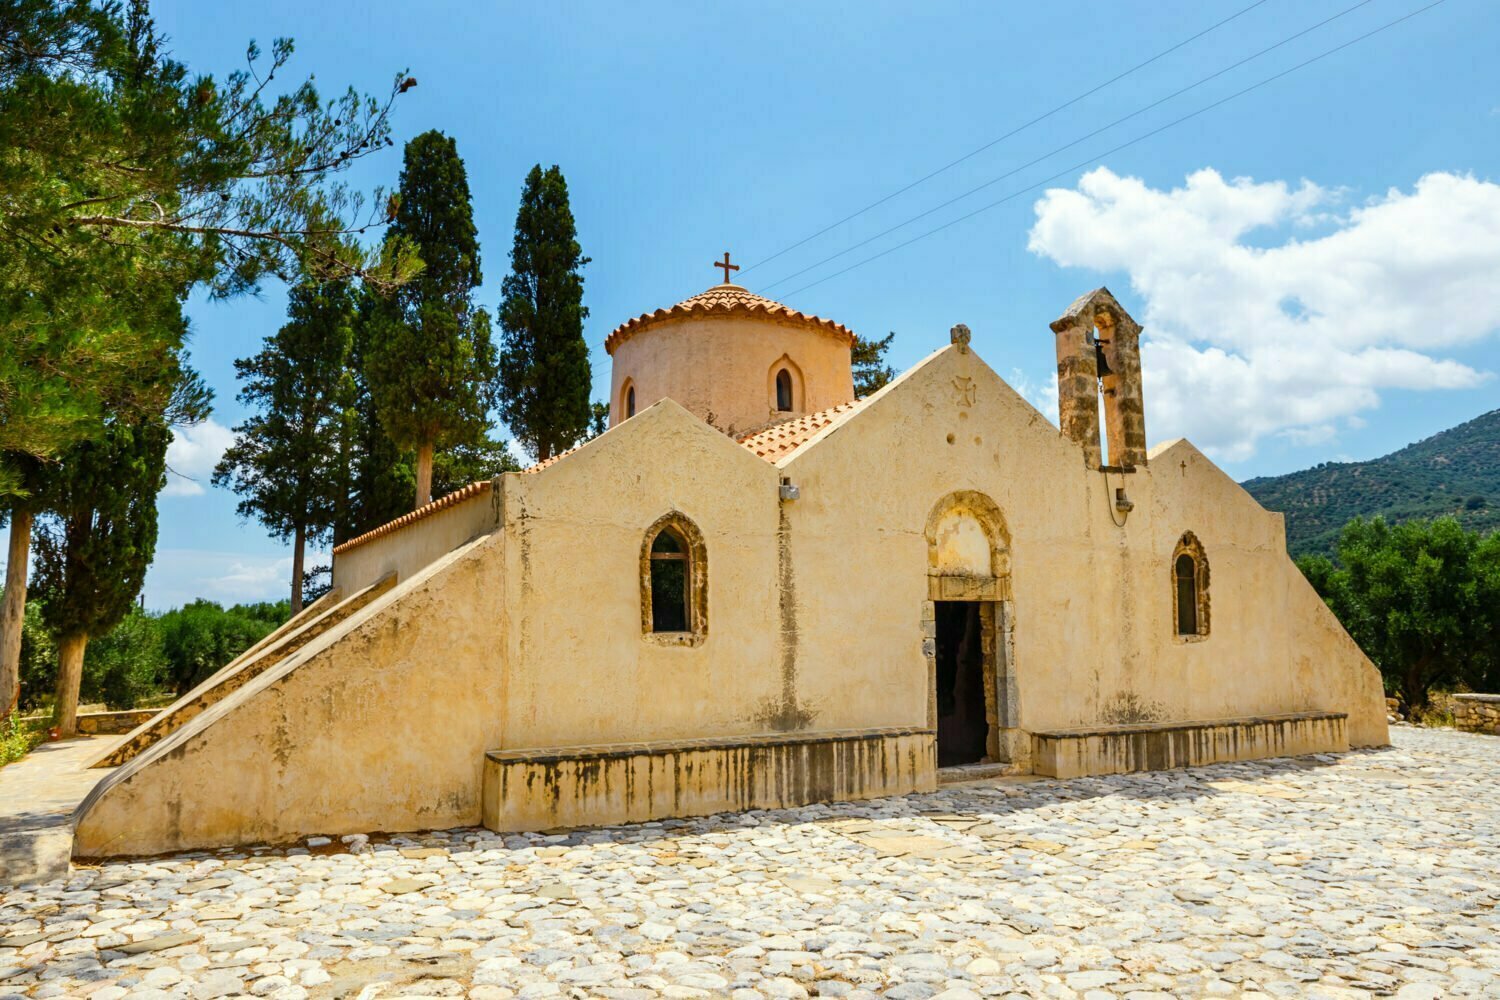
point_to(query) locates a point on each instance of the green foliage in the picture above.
(288, 462)
(199, 638)
(98, 534)
(38, 659)
(285, 462)
(1453, 473)
(545, 377)
(19, 736)
(127, 665)
(427, 356)
(871, 373)
(1422, 598)
(380, 477)
(121, 668)
(126, 180)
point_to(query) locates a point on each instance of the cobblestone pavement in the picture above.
(1371, 873)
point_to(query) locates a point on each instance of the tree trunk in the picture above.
(543, 451)
(424, 473)
(70, 650)
(13, 609)
(298, 544)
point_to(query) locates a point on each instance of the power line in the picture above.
(1124, 145)
(1051, 153)
(1014, 131)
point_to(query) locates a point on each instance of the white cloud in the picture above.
(192, 455)
(181, 575)
(1291, 334)
(1040, 393)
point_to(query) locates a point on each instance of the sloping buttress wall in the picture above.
(380, 724)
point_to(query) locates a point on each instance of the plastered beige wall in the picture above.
(578, 669)
(379, 724)
(1093, 630)
(720, 369)
(409, 548)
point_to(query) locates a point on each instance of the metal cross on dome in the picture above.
(726, 266)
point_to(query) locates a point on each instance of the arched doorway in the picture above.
(968, 619)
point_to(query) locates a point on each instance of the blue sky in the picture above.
(1308, 296)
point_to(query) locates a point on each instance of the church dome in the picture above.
(738, 360)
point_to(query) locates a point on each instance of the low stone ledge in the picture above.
(115, 723)
(1477, 713)
(1155, 746)
(560, 787)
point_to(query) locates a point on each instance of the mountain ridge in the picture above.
(1456, 471)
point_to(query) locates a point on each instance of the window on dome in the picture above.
(784, 391)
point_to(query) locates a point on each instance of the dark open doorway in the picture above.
(962, 726)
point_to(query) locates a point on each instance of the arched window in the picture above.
(674, 583)
(784, 391)
(1190, 588)
(627, 402)
(785, 388)
(1187, 595)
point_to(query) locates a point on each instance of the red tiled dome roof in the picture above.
(725, 300)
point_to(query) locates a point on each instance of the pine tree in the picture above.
(545, 378)
(286, 463)
(429, 362)
(871, 373)
(95, 542)
(127, 180)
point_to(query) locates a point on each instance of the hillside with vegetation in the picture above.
(1454, 472)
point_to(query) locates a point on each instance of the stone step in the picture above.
(315, 620)
(561, 787)
(1156, 746)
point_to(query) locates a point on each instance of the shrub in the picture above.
(200, 638)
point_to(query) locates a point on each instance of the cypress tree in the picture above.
(286, 462)
(544, 364)
(96, 541)
(429, 361)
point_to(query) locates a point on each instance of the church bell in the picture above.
(1100, 361)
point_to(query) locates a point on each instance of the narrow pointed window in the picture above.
(784, 391)
(630, 402)
(1187, 595)
(669, 583)
(1190, 588)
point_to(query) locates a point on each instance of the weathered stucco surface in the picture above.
(1093, 627)
(327, 612)
(406, 551)
(512, 649)
(1074, 753)
(379, 724)
(636, 782)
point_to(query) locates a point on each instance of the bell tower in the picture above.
(1098, 353)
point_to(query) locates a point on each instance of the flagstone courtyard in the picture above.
(1370, 873)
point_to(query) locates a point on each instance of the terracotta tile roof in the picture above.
(780, 440)
(539, 466)
(442, 503)
(725, 300)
